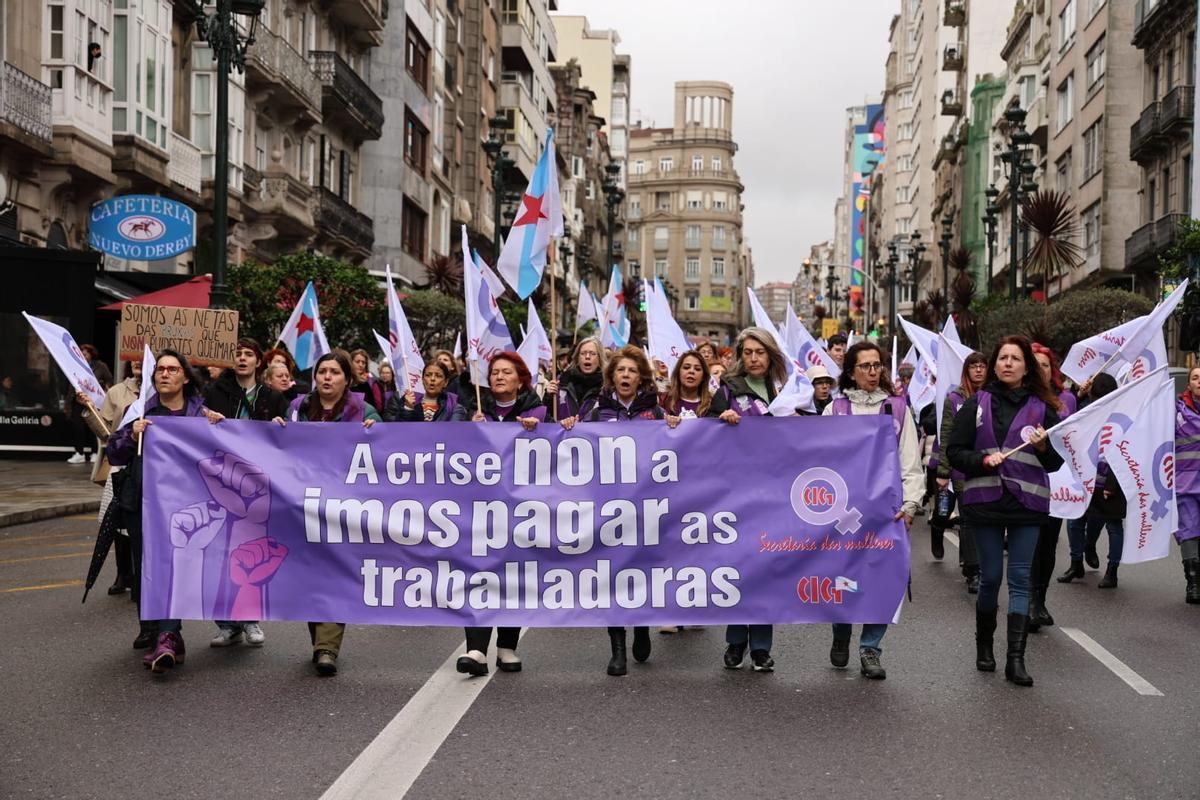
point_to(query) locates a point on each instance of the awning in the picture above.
(193, 293)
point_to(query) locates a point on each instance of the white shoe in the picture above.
(226, 637)
(254, 634)
(667, 630)
(507, 660)
(77, 458)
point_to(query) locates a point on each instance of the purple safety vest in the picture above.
(956, 401)
(1187, 449)
(1021, 473)
(893, 405)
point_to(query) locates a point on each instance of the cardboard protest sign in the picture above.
(205, 336)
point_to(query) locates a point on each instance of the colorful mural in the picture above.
(868, 156)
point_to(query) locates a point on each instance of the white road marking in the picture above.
(951, 537)
(391, 764)
(1116, 665)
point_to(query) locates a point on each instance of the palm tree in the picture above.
(962, 296)
(1051, 216)
(444, 274)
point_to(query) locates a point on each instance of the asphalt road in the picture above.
(82, 719)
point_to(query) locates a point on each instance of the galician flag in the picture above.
(523, 258)
(404, 354)
(614, 327)
(587, 308)
(137, 408)
(668, 342)
(303, 334)
(487, 332)
(69, 357)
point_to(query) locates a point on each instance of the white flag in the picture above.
(950, 330)
(404, 354)
(763, 320)
(69, 357)
(1142, 458)
(925, 341)
(668, 342)
(537, 332)
(137, 408)
(797, 393)
(895, 365)
(493, 280)
(922, 390)
(586, 308)
(1086, 357)
(951, 357)
(809, 353)
(1140, 338)
(487, 332)
(457, 346)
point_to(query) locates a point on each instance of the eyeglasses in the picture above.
(168, 370)
(874, 367)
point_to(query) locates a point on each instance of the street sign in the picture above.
(142, 227)
(829, 327)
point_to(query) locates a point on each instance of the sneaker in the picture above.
(167, 653)
(839, 653)
(254, 634)
(667, 630)
(735, 654)
(762, 661)
(77, 458)
(871, 668)
(226, 637)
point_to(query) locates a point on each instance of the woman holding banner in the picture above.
(175, 395)
(748, 389)
(436, 404)
(628, 393)
(1007, 490)
(1043, 555)
(331, 400)
(509, 398)
(1187, 482)
(867, 389)
(689, 394)
(363, 382)
(971, 381)
(579, 384)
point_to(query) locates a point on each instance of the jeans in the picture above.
(1077, 537)
(760, 637)
(1116, 537)
(1189, 549)
(968, 557)
(478, 638)
(1044, 551)
(871, 637)
(169, 625)
(229, 625)
(989, 540)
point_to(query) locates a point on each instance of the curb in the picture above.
(48, 512)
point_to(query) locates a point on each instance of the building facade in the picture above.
(684, 209)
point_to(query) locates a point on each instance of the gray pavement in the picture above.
(82, 719)
(36, 490)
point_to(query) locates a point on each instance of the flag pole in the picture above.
(92, 407)
(553, 324)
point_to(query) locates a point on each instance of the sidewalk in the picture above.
(34, 490)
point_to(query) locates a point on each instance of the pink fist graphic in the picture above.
(251, 566)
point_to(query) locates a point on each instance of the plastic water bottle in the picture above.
(944, 503)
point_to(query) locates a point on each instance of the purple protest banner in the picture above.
(770, 521)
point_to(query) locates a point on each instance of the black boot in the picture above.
(985, 627)
(147, 635)
(937, 542)
(641, 644)
(1109, 581)
(1073, 573)
(1191, 571)
(1014, 667)
(1038, 615)
(617, 665)
(121, 585)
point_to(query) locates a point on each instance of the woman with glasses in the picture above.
(867, 389)
(578, 386)
(1007, 490)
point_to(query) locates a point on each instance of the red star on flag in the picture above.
(305, 325)
(531, 211)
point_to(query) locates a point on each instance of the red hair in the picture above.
(518, 364)
(1056, 379)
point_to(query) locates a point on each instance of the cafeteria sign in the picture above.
(142, 227)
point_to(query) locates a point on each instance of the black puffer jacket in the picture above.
(225, 396)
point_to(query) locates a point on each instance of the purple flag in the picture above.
(487, 524)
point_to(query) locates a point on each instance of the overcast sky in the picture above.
(795, 65)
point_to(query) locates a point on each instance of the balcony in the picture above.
(1177, 111)
(283, 203)
(341, 225)
(183, 166)
(278, 76)
(363, 19)
(346, 98)
(1153, 18)
(1143, 134)
(952, 58)
(25, 109)
(1148, 242)
(955, 15)
(951, 104)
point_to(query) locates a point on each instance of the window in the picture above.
(416, 58)
(904, 163)
(906, 99)
(1169, 60)
(1095, 64)
(718, 236)
(635, 269)
(635, 207)
(412, 229)
(142, 97)
(692, 237)
(416, 140)
(666, 164)
(697, 163)
(718, 270)
(1094, 7)
(720, 201)
(716, 164)
(1189, 60)
(1091, 230)
(902, 194)
(616, 142)
(639, 167)
(1062, 172)
(439, 124)
(660, 237)
(1027, 91)
(589, 190)
(1151, 199)
(660, 267)
(692, 300)
(910, 65)
(1065, 101)
(662, 201)
(204, 123)
(904, 226)
(1166, 190)
(905, 131)
(632, 235)
(1093, 149)
(694, 201)
(618, 111)
(691, 269)
(1066, 26)
(1186, 183)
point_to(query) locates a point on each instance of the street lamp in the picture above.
(893, 260)
(613, 196)
(1013, 159)
(1028, 188)
(990, 219)
(831, 281)
(229, 46)
(494, 147)
(944, 242)
(915, 263)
